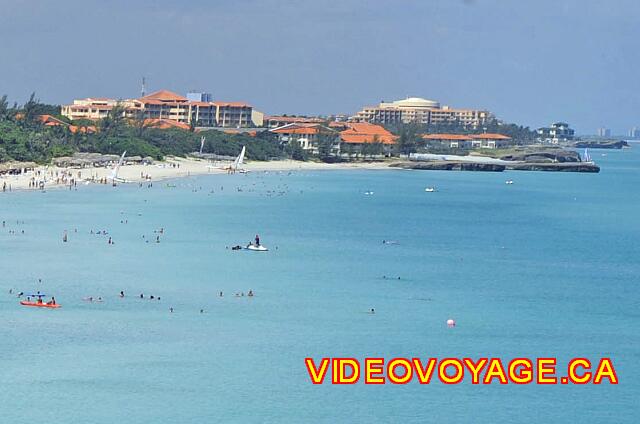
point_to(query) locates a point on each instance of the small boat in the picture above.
(509, 182)
(430, 189)
(257, 248)
(368, 193)
(40, 305)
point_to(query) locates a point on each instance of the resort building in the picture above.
(89, 108)
(489, 141)
(167, 105)
(306, 135)
(421, 111)
(351, 140)
(467, 141)
(449, 141)
(357, 135)
(558, 132)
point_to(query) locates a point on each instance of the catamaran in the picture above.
(236, 166)
(114, 173)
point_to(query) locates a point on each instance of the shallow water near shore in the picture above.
(547, 266)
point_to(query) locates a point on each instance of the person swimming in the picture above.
(121, 293)
(250, 293)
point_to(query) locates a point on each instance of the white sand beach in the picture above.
(172, 167)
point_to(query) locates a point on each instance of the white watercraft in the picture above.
(430, 189)
(114, 173)
(509, 182)
(257, 248)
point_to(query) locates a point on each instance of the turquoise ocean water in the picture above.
(547, 266)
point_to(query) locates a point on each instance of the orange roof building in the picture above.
(52, 121)
(164, 124)
(165, 105)
(306, 135)
(362, 133)
(421, 111)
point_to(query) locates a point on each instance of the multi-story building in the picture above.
(604, 132)
(89, 108)
(634, 132)
(558, 132)
(166, 105)
(233, 114)
(307, 135)
(421, 111)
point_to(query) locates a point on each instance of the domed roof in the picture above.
(416, 102)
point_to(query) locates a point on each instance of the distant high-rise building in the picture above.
(197, 96)
(634, 132)
(604, 132)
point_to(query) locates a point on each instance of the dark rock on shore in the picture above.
(601, 144)
(543, 156)
(449, 166)
(558, 167)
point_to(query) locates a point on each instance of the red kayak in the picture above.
(40, 305)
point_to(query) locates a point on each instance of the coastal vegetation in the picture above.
(24, 136)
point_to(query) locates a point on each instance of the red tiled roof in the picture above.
(300, 128)
(164, 96)
(490, 136)
(166, 124)
(446, 137)
(74, 129)
(361, 132)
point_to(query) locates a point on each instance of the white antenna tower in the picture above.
(143, 86)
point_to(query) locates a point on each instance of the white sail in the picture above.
(239, 160)
(114, 173)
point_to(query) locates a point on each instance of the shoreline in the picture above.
(170, 168)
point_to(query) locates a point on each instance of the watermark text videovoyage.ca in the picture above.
(457, 370)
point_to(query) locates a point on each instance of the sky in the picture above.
(529, 62)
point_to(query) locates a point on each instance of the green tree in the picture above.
(326, 141)
(407, 142)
